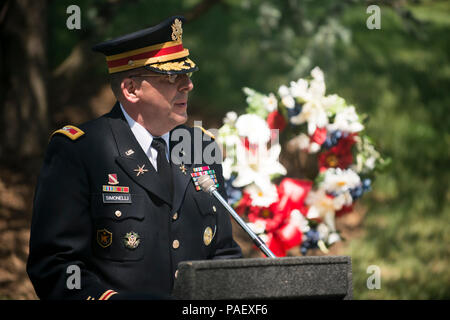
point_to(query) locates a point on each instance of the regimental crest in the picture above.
(104, 238)
(177, 30)
(131, 240)
(112, 179)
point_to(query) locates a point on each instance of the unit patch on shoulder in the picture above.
(70, 131)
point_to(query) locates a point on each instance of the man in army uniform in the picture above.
(114, 200)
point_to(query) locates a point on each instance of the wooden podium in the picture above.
(325, 277)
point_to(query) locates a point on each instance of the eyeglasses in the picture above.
(172, 78)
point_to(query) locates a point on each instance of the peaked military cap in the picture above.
(158, 48)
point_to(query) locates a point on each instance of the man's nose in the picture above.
(185, 84)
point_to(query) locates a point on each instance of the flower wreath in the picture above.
(296, 212)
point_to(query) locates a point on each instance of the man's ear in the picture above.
(129, 90)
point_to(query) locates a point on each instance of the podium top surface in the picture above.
(311, 277)
(260, 262)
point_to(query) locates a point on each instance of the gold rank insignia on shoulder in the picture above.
(69, 131)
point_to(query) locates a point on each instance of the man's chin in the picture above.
(180, 118)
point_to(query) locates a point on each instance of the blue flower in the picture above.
(312, 238)
(234, 194)
(366, 185)
(356, 192)
(292, 112)
(332, 139)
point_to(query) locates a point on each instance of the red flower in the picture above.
(319, 136)
(276, 245)
(275, 120)
(290, 235)
(243, 204)
(272, 217)
(344, 210)
(292, 194)
(283, 239)
(282, 234)
(339, 156)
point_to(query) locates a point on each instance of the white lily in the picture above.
(270, 102)
(320, 205)
(339, 181)
(315, 103)
(317, 87)
(258, 168)
(286, 97)
(258, 227)
(346, 120)
(299, 90)
(262, 197)
(304, 143)
(314, 114)
(230, 118)
(254, 128)
(296, 218)
(227, 168)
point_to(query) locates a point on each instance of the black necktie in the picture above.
(164, 168)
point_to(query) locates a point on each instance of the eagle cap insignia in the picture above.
(177, 30)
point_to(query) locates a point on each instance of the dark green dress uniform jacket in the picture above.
(72, 224)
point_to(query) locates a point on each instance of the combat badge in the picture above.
(131, 240)
(104, 238)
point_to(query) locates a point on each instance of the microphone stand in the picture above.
(207, 185)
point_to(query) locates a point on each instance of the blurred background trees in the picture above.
(399, 76)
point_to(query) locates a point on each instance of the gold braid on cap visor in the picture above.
(158, 54)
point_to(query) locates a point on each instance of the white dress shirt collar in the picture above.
(145, 138)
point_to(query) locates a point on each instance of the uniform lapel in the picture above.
(132, 157)
(181, 177)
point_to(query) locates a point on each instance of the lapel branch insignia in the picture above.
(140, 170)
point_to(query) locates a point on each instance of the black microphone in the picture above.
(207, 185)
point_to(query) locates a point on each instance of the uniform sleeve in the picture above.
(60, 241)
(226, 247)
